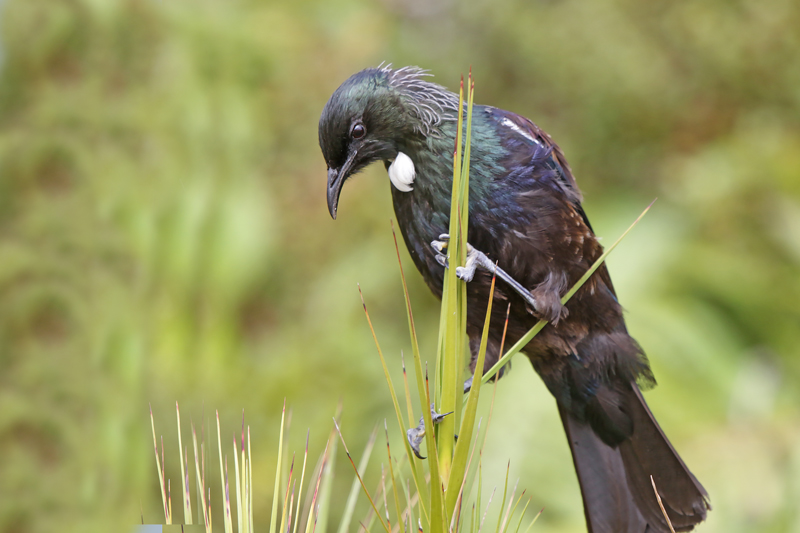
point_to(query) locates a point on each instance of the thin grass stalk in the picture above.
(414, 462)
(510, 512)
(456, 516)
(250, 482)
(437, 492)
(169, 499)
(464, 481)
(409, 404)
(246, 489)
(203, 463)
(242, 485)
(505, 493)
(522, 514)
(223, 480)
(274, 515)
(187, 502)
(360, 480)
(479, 493)
(206, 488)
(542, 323)
(240, 505)
(307, 510)
(302, 478)
(352, 497)
(186, 483)
(504, 523)
(426, 412)
(201, 488)
(468, 423)
(414, 498)
(661, 504)
(287, 433)
(398, 507)
(228, 518)
(473, 522)
(291, 504)
(163, 475)
(397, 469)
(286, 498)
(385, 504)
(486, 511)
(326, 490)
(159, 469)
(470, 474)
(209, 509)
(371, 522)
(198, 493)
(323, 459)
(535, 518)
(410, 513)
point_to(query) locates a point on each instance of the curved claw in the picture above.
(465, 273)
(416, 434)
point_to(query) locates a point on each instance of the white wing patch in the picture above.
(402, 172)
(508, 123)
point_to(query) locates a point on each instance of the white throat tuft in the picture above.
(402, 172)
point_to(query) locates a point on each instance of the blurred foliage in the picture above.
(164, 236)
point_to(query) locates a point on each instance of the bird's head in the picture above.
(374, 116)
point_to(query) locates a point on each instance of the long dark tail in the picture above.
(615, 482)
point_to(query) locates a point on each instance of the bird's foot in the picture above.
(416, 434)
(477, 259)
(440, 246)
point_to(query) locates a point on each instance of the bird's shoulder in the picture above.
(532, 153)
(539, 225)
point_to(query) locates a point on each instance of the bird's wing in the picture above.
(553, 237)
(525, 132)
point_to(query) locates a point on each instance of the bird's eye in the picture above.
(358, 131)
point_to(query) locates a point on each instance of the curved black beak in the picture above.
(336, 178)
(335, 182)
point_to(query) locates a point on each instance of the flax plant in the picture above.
(285, 515)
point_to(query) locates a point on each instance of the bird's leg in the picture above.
(477, 259)
(468, 384)
(416, 434)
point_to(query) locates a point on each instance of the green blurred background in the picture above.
(164, 235)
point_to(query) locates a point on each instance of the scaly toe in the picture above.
(465, 274)
(415, 436)
(439, 246)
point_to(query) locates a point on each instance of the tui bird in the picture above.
(525, 215)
